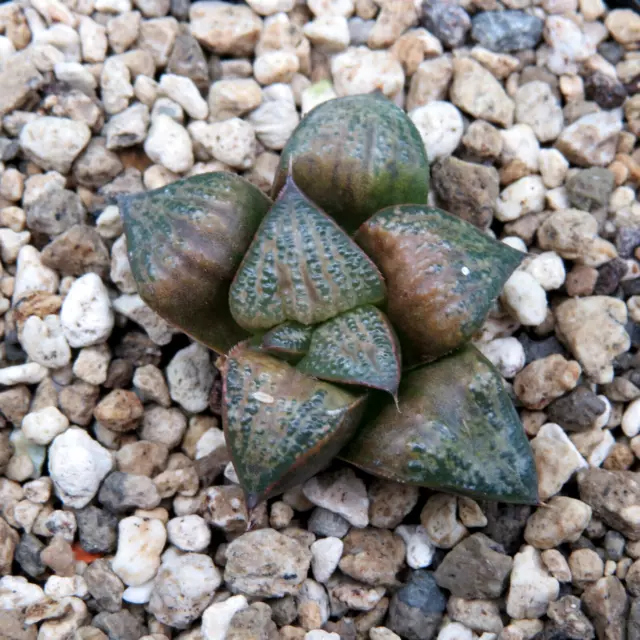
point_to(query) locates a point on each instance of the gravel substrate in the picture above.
(120, 513)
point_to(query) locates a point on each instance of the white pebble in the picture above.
(58, 587)
(29, 373)
(455, 631)
(86, 315)
(548, 269)
(17, 593)
(602, 420)
(32, 275)
(525, 298)
(140, 594)
(183, 91)
(553, 167)
(140, 543)
(631, 419)
(44, 342)
(506, 354)
(440, 126)
(217, 617)
(189, 533)
(44, 425)
(169, 144)
(523, 196)
(274, 122)
(419, 548)
(326, 554)
(77, 466)
(275, 66)
(515, 243)
(231, 141)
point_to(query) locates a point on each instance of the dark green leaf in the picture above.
(289, 341)
(354, 156)
(357, 347)
(456, 430)
(185, 243)
(281, 425)
(301, 266)
(442, 274)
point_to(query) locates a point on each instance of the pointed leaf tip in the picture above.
(442, 274)
(458, 431)
(356, 155)
(185, 242)
(358, 347)
(301, 267)
(281, 425)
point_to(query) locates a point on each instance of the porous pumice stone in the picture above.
(122, 513)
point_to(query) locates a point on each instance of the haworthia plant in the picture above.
(318, 326)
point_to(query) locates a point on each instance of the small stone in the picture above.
(56, 211)
(77, 401)
(151, 386)
(104, 585)
(169, 144)
(86, 315)
(483, 140)
(372, 556)
(233, 98)
(419, 547)
(478, 615)
(360, 70)
(592, 139)
(188, 60)
(326, 554)
(624, 25)
(183, 91)
(605, 602)
(557, 459)
(613, 496)
(590, 189)
(44, 425)
(567, 617)
(96, 165)
(157, 37)
(586, 566)
(225, 508)
(538, 107)
(382, 633)
(545, 380)
(532, 588)
(134, 308)
(217, 617)
(122, 624)
(313, 605)
(430, 82)
(525, 299)
(77, 465)
(183, 588)
(189, 533)
(329, 34)
(604, 90)
(273, 122)
(44, 342)
(326, 523)
(577, 411)
(506, 30)
(124, 491)
(341, 492)
(466, 189)
(96, 530)
(142, 457)
(447, 21)
(438, 517)
(523, 196)
(553, 167)
(562, 520)
(390, 502)
(231, 141)
(190, 378)
(140, 543)
(477, 567)
(266, 563)
(275, 66)
(54, 143)
(225, 29)
(440, 126)
(127, 128)
(120, 411)
(416, 609)
(593, 329)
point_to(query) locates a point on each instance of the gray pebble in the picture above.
(104, 586)
(590, 189)
(506, 30)
(447, 21)
(326, 523)
(97, 530)
(122, 625)
(123, 491)
(55, 212)
(576, 411)
(27, 555)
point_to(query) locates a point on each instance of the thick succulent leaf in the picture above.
(185, 243)
(289, 340)
(301, 266)
(442, 274)
(456, 430)
(358, 347)
(354, 156)
(281, 425)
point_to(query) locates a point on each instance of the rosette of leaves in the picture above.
(342, 308)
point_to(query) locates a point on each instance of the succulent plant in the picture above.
(342, 311)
